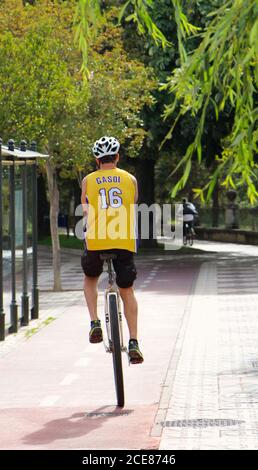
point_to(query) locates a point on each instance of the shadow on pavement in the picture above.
(71, 427)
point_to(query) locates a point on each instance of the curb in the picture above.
(48, 249)
(167, 386)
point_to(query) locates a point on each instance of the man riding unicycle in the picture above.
(108, 197)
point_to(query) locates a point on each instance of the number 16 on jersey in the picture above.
(110, 198)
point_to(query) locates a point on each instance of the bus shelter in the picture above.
(19, 292)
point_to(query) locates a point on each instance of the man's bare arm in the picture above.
(83, 198)
(136, 189)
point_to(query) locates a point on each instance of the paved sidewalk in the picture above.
(197, 389)
(212, 401)
(71, 271)
(57, 390)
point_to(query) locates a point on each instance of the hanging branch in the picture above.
(223, 71)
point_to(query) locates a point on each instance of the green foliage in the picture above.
(39, 75)
(184, 28)
(222, 71)
(87, 21)
(211, 102)
(120, 88)
(143, 20)
(89, 18)
(217, 44)
(43, 95)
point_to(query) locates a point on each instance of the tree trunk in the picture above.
(53, 215)
(43, 208)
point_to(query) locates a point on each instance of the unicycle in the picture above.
(113, 318)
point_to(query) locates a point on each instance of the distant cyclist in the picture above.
(189, 214)
(108, 198)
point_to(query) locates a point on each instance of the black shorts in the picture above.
(124, 266)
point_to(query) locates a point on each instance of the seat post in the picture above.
(108, 257)
(110, 272)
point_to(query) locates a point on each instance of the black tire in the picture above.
(116, 350)
(185, 240)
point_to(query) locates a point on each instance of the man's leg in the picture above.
(130, 309)
(91, 296)
(125, 276)
(131, 314)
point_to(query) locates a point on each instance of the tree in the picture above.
(43, 95)
(89, 16)
(40, 97)
(221, 71)
(157, 163)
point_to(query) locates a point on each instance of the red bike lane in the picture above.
(57, 390)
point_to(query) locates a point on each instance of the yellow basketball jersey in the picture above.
(111, 222)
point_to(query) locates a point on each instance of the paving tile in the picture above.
(214, 394)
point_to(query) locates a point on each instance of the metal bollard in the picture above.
(2, 314)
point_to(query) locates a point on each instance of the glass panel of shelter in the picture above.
(18, 198)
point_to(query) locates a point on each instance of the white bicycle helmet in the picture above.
(105, 146)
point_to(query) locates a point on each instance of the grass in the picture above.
(65, 242)
(33, 331)
(73, 242)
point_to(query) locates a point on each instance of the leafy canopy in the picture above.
(221, 72)
(42, 92)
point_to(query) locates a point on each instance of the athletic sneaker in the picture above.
(95, 335)
(135, 354)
